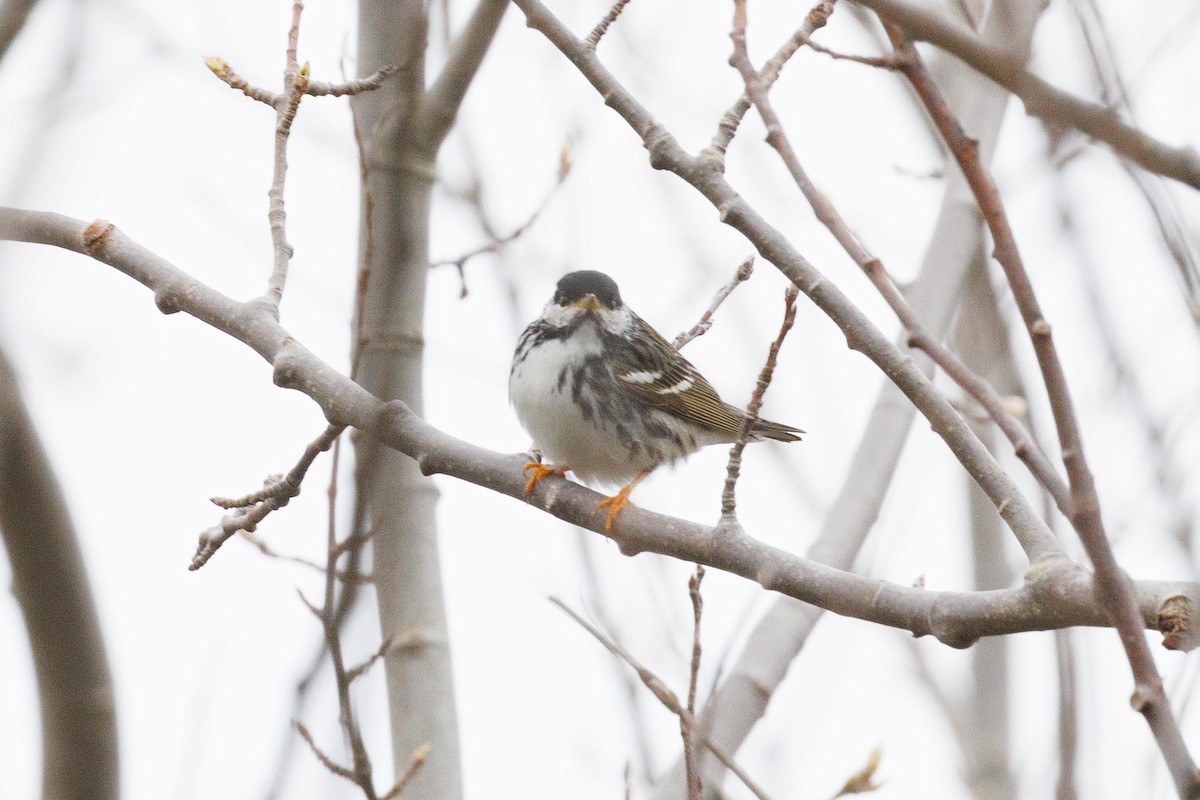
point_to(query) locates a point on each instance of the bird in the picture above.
(605, 396)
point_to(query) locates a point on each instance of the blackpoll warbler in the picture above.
(607, 397)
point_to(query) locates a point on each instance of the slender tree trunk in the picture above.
(982, 340)
(399, 501)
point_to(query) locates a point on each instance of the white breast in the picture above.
(540, 389)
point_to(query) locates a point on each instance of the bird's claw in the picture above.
(615, 505)
(541, 471)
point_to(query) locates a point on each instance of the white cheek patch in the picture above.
(682, 386)
(645, 376)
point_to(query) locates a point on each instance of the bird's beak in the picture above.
(587, 303)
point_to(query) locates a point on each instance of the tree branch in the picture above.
(1042, 100)
(1113, 586)
(707, 178)
(1023, 444)
(1056, 593)
(441, 102)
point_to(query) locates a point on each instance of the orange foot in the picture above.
(540, 471)
(616, 504)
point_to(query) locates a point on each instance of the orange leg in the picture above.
(616, 504)
(540, 471)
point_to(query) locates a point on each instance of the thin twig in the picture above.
(326, 761)
(269, 552)
(700, 328)
(863, 781)
(665, 696)
(593, 38)
(333, 636)
(350, 88)
(459, 263)
(415, 762)
(296, 85)
(295, 82)
(252, 510)
(355, 672)
(1113, 586)
(695, 786)
(728, 496)
(732, 119)
(882, 62)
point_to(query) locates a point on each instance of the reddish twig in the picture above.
(459, 263)
(700, 328)
(1113, 586)
(1023, 444)
(728, 498)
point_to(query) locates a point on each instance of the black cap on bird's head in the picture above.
(575, 287)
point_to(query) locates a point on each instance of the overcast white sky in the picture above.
(107, 110)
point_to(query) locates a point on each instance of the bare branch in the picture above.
(354, 672)
(1024, 445)
(495, 244)
(220, 67)
(1042, 100)
(694, 786)
(665, 696)
(326, 761)
(441, 102)
(861, 334)
(882, 62)
(351, 88)
(732, 119)
(254, 508)
(734, 468)
(1055, 593)
(593, 38)
(296, 85)
(1116, 594)
(345, 576)
(700, 328)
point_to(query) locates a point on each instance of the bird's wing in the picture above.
(652, 371)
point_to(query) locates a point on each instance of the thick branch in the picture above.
(1042, 100)
(1056, 594)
